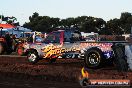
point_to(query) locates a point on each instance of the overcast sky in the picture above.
(106, 9)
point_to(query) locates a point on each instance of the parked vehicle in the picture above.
(9, 35)
(69, 44)
(6, 42)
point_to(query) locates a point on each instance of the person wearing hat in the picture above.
(8, 42)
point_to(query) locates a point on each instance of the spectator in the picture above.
(14, 42)
(8, 40)
(30, 39)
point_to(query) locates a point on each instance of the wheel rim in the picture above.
(94, 59)
(32, 57)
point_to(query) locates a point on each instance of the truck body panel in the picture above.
(68, 45)
(59, 42)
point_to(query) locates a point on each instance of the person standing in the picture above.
(8, 41)
(128, 52)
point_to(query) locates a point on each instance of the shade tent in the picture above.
(6, 26)
(15, 30)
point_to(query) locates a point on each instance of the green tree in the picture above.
(124, 17)
(83, 23)
(114, 26)
(126, 22)
(35, 15)
(55, 22)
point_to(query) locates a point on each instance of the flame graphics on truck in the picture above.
(53, 51)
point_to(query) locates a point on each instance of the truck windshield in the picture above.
(53, 37)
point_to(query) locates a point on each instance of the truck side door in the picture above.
(70, 40)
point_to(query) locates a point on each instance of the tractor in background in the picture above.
(7, 44)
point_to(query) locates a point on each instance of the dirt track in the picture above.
(17, 69)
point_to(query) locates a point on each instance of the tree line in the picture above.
(9, 20)
(83, 23)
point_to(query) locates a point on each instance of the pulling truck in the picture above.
(68, 44)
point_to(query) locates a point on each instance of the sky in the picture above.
(106, 9)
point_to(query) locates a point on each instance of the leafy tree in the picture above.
(126, 22)
(54, 22)
(113, 26)
(124, 17)
(31, 18)
(9, 20)
(83, 23)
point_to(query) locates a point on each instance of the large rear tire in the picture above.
(120, 58)
(93, 58)
(32, 56)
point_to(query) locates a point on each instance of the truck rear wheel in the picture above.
(93, 58)
(32, 56)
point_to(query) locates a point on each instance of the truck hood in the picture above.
(34, 45)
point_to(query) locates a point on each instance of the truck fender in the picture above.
(84, 50)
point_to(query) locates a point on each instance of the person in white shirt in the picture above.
(128, 52)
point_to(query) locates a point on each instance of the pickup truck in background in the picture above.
(68, 44)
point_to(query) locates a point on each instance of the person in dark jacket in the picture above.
(8, 40)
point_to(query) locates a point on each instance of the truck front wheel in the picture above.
(32, 56)
(93, 58)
